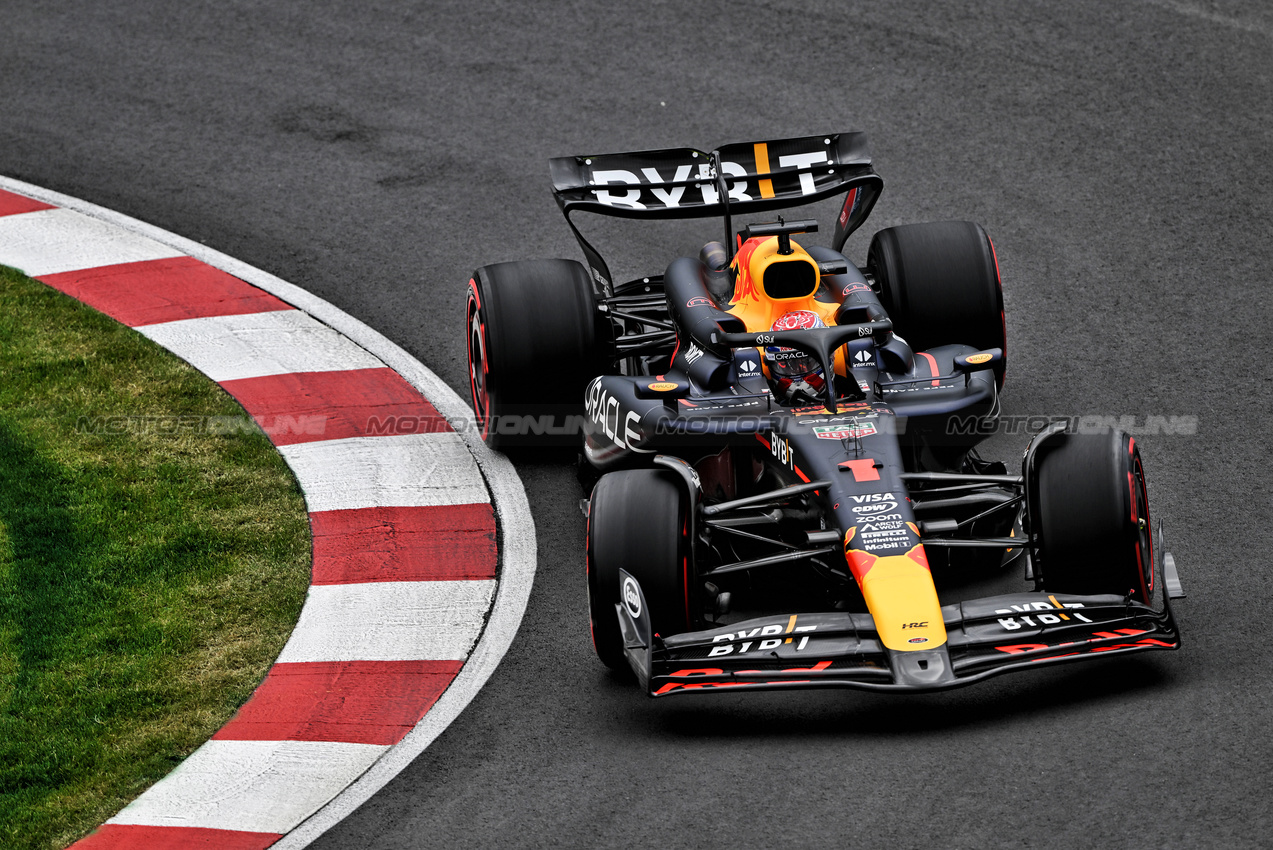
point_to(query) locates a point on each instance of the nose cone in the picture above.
(900, 595)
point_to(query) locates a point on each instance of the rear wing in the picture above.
(747, 177)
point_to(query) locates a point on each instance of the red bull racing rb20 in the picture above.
(782, 444)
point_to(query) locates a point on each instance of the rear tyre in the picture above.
(939, 282)
(1095, 534)
(638, 521)
(533, 345)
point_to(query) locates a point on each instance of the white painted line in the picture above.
(252, 786)
(390, 621)
(62, 240)
(254, 345)
(404, 470)
(517, 546)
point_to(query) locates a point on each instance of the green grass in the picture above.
(148, 576)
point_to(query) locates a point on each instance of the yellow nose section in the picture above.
(900, 594)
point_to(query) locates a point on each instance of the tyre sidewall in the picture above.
(939, 283)
(540, 328)
(1088, 518)
(637, 521)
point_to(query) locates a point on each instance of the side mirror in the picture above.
(978, 361)
(660, 388)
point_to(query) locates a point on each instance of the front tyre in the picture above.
(1095, 534)
(638, 521)
(939, 283)
(534, 342)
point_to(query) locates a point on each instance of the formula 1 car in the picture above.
(786, 442)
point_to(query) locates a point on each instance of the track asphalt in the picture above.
(1118, 154)
(402, 610)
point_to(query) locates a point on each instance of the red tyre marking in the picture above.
(1133, 463)
(475, 308)
(1003, 319)
(1149, 536)
(685, 565)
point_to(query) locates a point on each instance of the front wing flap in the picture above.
(985, 637)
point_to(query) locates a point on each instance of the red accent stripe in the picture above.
(154, 291)
(1018, 648)
(450, 542)
(863, 470)
(304, 407)
(848, 206)
(860, 562)
(932, 366)
(11, 204)
(120, 836)
(355, 702)
(919, 556)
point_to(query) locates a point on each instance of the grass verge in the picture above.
(150, 570)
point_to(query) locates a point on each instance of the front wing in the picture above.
(985, 637)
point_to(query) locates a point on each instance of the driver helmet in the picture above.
(795, 376)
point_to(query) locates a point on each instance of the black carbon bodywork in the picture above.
(825, 510)
(987, 637)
